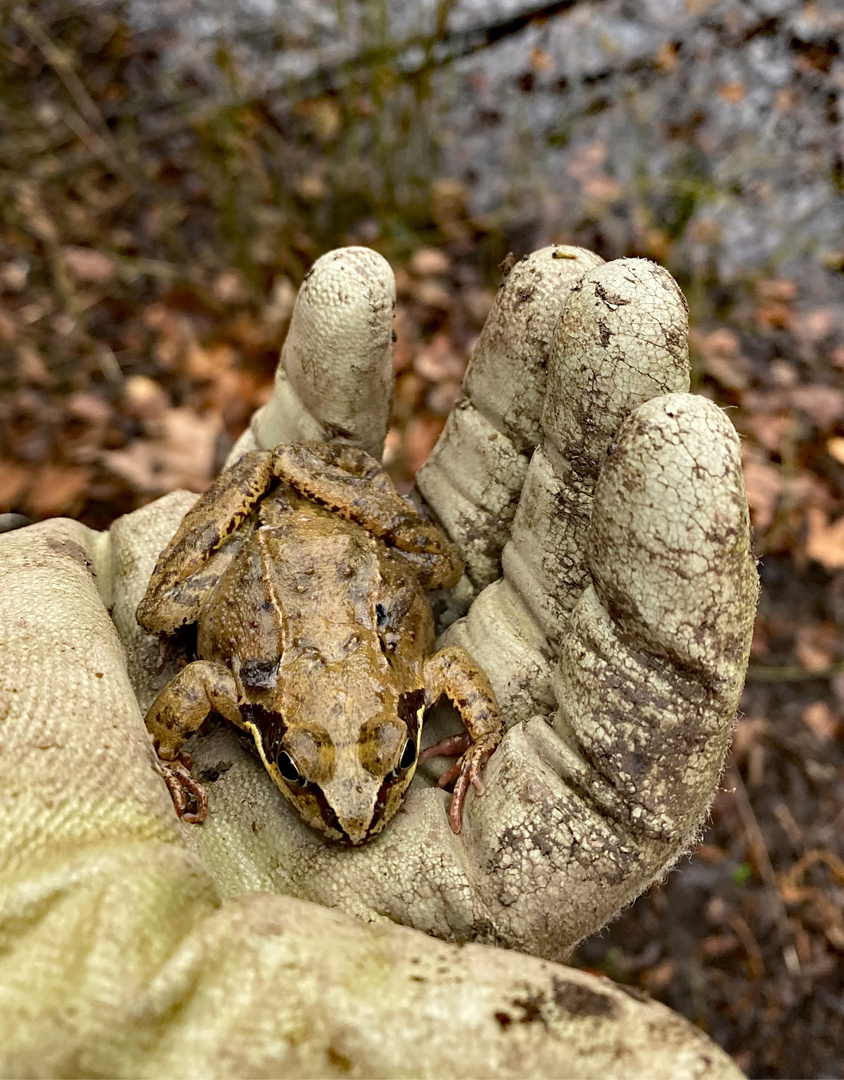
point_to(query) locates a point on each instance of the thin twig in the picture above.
(792, 672)
(756, 842)
(89, 115)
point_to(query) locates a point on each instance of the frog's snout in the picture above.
(354, 803)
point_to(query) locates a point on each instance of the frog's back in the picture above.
(313, 582)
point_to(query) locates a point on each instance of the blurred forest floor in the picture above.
(152, 240)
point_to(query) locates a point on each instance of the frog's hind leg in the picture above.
(348, 481)
(186, 570)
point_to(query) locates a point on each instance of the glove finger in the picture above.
(606, 793)
(622, 339)
(654, 657)
(474, 475)
(335, 373)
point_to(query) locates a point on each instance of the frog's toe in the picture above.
(468, 771)
(183, 787)
(448, 747)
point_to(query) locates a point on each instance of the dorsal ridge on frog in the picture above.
(305, 572)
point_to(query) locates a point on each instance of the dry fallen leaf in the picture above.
(733, 92)
(768, 429)
(835, 447)
(825, 542)
(14, 480)
(722, 358)
(820, 719)
(57, 491)
(429, 262)
(816, 645)
(179, 453)
(88, 266)
(824, 405)
(764, 485)
(438, 360)
(422, 433)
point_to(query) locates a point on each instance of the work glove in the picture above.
(609, 595)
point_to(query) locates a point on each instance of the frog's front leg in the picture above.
(453, 672)
(182, 577)
(347, 480)
(179, 710)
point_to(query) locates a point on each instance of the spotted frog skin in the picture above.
(306, 574)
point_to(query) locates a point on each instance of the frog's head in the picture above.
(345, 777)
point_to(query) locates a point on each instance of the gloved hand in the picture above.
(616, 640)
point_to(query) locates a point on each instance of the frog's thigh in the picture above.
(453, 672)
(353, 484)
(200, 688)
(302, 463)
(342, 478)
(182, 577)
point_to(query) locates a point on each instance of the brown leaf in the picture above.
(782, 290)
(31, 367)
(602, 188)
(88, 266)
(432, 294)
(659, 976)
(719, 945)
(816, 324)
(8, 330)
(767, 429)
(422, 433)
(835, 448)
(444, 396)
(824, 405)
(666, 57)
(179, 454)
(825, 542)
(764, 485)
(229, 287)
(14, 479)
(438, 360)
(57, 490)
(144, 399)
(819, 718)
(722, 358)
(733, 92)
(429, 262)
(540, 60)
(816, 645)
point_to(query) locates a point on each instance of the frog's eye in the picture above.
(408, 756)
(289, 770)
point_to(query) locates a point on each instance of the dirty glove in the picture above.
(602, 517)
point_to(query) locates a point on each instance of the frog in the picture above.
(306, 575)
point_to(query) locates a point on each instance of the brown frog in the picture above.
(305, 572)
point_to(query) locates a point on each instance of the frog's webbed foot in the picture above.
(454, 673)
(184, 787)
(348, 481)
